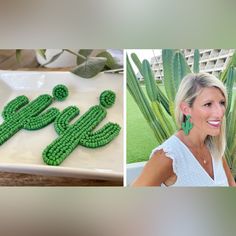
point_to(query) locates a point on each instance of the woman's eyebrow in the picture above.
(207, 100)
(212, 100)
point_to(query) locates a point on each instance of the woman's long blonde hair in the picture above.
(189, 88)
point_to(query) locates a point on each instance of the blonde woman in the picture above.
(194, 156)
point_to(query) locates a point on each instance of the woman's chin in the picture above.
(214, 133)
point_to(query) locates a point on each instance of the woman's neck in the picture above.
(193, 139)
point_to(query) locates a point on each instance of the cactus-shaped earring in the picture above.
(187, 125)
(81, 132)
(20, 114)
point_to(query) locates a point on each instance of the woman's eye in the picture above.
(222, 103)
(207, 104)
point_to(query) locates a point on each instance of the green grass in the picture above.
(140, 138)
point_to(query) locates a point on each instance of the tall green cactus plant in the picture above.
(20, 114)
(81, 132)
(158, 108)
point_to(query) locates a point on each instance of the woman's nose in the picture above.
(219, 111)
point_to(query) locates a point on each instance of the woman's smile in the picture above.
(214, 123)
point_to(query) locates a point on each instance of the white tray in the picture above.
(23, 152)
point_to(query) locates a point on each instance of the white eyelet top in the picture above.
(188, 170)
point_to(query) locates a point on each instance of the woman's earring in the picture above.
(187, 125)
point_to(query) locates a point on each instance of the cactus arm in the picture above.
(6, 131)
(62, 121)
(101, 137)
(59, 149)
(13, 106)
(41, 120)
(37, 105)
(91, 118)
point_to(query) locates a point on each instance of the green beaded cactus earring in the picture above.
(81, 132)
(187, 125)
(20, 113)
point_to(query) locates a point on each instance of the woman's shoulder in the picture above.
(164, 157)
(172, 140)
(169, 146)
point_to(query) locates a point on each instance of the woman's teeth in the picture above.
(215, 123)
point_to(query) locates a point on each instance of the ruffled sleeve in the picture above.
(169, 153)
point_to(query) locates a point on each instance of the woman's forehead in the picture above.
(210, 92)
